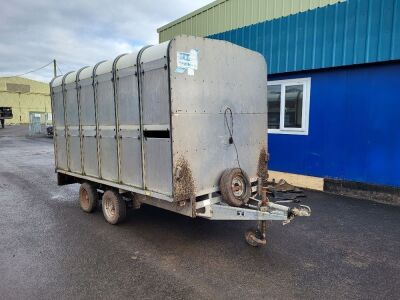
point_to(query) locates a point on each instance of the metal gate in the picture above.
(38, 122)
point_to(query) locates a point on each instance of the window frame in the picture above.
(305, 116)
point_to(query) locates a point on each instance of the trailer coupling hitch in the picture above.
(301, 211)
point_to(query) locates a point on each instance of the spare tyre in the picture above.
(235, 187)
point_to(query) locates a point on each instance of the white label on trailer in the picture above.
(193, 55)
(187, 61)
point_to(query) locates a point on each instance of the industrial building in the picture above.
(26, 97)
(333, 86)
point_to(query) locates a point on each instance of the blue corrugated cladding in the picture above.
(354, 126)
(347, 33)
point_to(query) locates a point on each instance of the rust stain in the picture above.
(184, 187)
(262, 171)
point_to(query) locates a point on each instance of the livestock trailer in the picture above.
(180, 125)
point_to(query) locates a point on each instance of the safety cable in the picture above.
(230, 129)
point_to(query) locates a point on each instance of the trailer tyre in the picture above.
(88, 197)
(235, 187)
(114, 207)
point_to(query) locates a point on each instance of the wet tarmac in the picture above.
(49, 248)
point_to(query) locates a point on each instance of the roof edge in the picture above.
(191, 14)
(22, 78)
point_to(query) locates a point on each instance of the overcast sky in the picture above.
(78, 33)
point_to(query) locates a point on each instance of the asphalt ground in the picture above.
(49, 248)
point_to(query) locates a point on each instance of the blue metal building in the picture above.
(334, 93)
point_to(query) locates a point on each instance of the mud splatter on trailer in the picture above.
(184, 187)
(262, 170)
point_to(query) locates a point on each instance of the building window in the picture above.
(288, 106)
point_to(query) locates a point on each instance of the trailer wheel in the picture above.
(88, 197)
(235, 187)
(114, 207)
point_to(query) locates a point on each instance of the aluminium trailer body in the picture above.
(180, 125)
